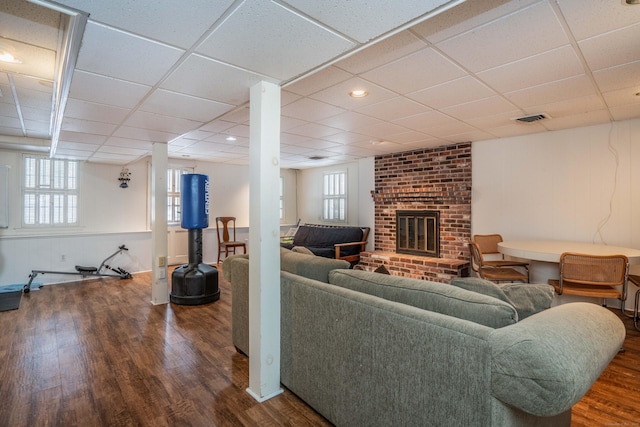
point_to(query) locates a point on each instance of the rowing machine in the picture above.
(86, 271)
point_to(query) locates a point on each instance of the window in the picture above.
(335, 197)
(174, 183)
(50, 192)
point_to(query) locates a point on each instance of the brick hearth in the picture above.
(429, 179)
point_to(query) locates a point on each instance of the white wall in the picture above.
(579, 184)
(110, 216)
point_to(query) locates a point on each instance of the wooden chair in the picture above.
(223, 224)
(493, 273)
(598, 276)
(488, 245)
(636, 317)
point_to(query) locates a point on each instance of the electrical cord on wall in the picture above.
(604, 220)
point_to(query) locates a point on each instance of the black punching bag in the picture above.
(195, 283)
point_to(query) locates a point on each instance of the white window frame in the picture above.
(334, 197)
(174, 206)
(50, 192)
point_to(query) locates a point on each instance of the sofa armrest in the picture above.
(544, 364)
(339, 246)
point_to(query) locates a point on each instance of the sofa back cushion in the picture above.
(311, 266)
(320, 239)
(432, 296)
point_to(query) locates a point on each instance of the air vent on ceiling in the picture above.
(317, 158)
(532, 118)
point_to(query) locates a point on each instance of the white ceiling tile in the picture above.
(347, 138)
(392, 109)
(578, 120)
(124, 56)
(97, 112)
(548, 66)
(616, 47)
(495, 120)
(178, 23)
(129, 143)
(620, 77)
(625, 112)
(249, 39)
(466, 16)
(383, 52)
(371, 21)
(292, 139)
(108, 149)
(310, 109)
(216, 126)
(314, 130)
(619, 97)
(287, 123)
(184, 106)
(106, 90)
(481, 107)
(574, 87)
(568, 107)
(157, 122)
(349, 120)
(209, 79)
(530, 31)
(381, 130)
(84, 138)
(419, 70)
(321, 80)
(339, 94)
(453, 92)
(589, 18)
(144, 134)
(112, 157)
(86, 126)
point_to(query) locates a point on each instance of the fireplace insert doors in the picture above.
(418, 233)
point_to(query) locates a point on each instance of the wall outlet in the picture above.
(162, 261)
(162, 274)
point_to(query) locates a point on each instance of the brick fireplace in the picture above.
(436, 179)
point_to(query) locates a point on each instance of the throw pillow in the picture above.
(481, 286)
(382, 270)
(301, 250)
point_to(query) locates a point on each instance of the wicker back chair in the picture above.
(493, 273)
(598, 276)
(488, 245)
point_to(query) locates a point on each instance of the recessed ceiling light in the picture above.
(230, 138)
(358, 93)
(7, 57)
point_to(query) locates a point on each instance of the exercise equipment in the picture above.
(86, 271)
(194, 283)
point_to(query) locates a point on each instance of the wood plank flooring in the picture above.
(97, 353)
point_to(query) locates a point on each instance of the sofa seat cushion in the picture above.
(527, 298)
(432, 296)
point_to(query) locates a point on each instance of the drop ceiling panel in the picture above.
(454, 92)
(510, 38)
(317, 82)
(184, 106)
(574, 87)
(481, 107)
(339, 94)
(349, 120)
(310, 109)
(125, 56)
(249, 39)
(610, 49)
(209, 79)
(371, 21)
(620, 77)
(96, 112)
(392, 109)
(383, 52)
(150, 135)
(534, 70)
(314, 130)
(87, 126)
(34, 60)
(590, 18)
(16, 23)
(466, 16)
(106, 90)
(421, 69)
(157, 122)
(173, 22)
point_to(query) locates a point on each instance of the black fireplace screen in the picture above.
(418, 233)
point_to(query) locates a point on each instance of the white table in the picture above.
(550, 250)
(544, 256)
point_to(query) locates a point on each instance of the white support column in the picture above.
(264, 241)
(159, 229)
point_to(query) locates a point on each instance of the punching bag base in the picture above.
(194, 285)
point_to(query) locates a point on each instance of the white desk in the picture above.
(550, 250)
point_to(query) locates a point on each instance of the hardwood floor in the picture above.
(97, 353)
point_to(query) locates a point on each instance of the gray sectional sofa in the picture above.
(364, 348)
